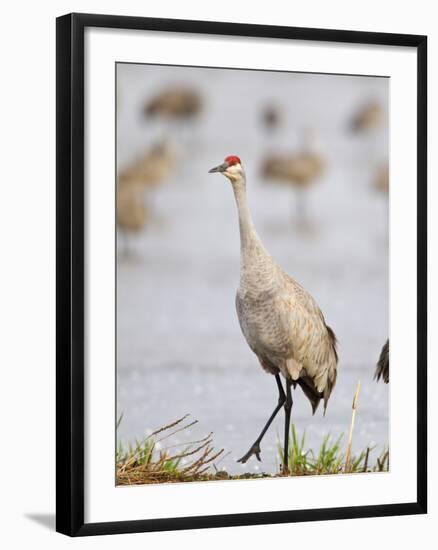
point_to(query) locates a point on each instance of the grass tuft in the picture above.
(147, 461)
(329, 459)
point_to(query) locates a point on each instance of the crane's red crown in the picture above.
(232, 160)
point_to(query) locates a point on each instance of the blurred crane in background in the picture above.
(369, 117)
(271, 117)
(174, 103)
(280, 321)
(135, 185)
(381, 180)
(298, 170)
(177, 106)
(152, 168)
(131, 211)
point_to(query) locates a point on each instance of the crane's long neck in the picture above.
(251, 247)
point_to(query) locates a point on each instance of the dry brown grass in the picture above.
(147, 462)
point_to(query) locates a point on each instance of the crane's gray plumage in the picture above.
(285, 328)
(382, 368)
(280, 321)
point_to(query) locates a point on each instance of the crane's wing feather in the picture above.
(313, 341)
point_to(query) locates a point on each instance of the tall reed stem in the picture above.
(350, 437)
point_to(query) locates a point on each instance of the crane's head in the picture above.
(231, 168)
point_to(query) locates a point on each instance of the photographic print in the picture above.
(252, 283)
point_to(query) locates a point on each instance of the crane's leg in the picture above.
(255, 448)
(287, 411)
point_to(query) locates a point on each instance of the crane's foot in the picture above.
(255, 450)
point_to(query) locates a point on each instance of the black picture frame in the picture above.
(70, 272)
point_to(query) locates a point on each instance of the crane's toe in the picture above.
(255, 450)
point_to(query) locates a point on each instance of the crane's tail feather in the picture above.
(331, 381)
(308, 387)
(333, 341)
(331, 373)
(321, 386)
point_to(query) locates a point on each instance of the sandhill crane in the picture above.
(381, 179)
(299, 170)
(174, 103)
(382, 368)
(176, 107)
(280, 321)
(271, 117)
(131, 210)
(369, 117)
(152, 168)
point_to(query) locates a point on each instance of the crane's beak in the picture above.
(221, 168)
